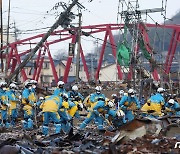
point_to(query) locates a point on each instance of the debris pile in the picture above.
(88, 141)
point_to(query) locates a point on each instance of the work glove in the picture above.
(40, 114)
(62, 109)
(101, 99)
(80, 106)
(8, 105)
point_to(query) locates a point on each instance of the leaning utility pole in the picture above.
(62, 18)
(78, 49)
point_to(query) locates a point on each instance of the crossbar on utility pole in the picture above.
(60, 21)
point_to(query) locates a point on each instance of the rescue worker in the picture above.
(116, 117)
(4, 105)
(50, 109)
(13, 101)
(121, 94)
(97, 95)
(97, 105)
(172, 107)
(114, 99)
(74, 94)
(128, 104)
(66, 118)
(28, 102)
(60, 89)
(155, 104)
(75, 97)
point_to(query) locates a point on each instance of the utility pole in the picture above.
(78, 49)
(16, 38)
(59, 21)
(15, 32)
(2, 64)
(7, 41)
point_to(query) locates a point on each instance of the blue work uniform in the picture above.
(156, 104)
(172, 109)
(59, 91)
(28, 102)
(13, 101)
(128, 104)
(4, 108)
(94, 114)
(50, 109)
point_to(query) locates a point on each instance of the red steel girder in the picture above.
(92, 29)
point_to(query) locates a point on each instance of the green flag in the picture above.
(123, 55)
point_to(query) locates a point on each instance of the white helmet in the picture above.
(98, 88)
(41, 98)
(121, 92)
(80, 105)
(131, 91)
(171, 101)
(75, 88)
(110, 104)
(12, 85)
(60, 83)
(26, 83)
(160, 90)
(113, 95)
(3, 83)
(120, 113)
(33, 82)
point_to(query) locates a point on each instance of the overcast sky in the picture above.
(32, 14)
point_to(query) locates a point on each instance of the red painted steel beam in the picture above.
(14, 63)
(169, 51)
(167, 71)
(84, 64)
(113, 46)
(101, 55)
(92, 29)
(10, 57)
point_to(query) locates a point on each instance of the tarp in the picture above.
(123, 55)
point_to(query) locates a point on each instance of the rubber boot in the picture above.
(30, 123)
(45, 130)
(57, 128)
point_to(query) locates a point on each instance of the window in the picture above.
(46, 65)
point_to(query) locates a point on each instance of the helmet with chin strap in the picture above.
(98, 89)
(75, 88)
(160, 90)
(131, 92)
(12, 86)
(3, 84)
(60, 84)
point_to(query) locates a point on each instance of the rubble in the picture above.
(134, 137)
